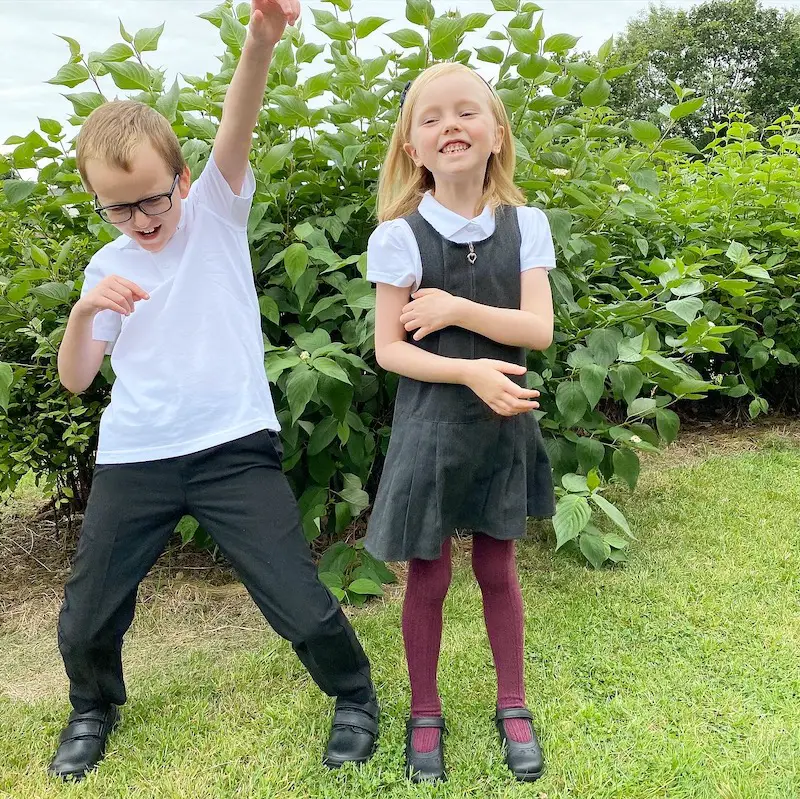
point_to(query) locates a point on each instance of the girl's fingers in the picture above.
(140, 292)
(421, 333)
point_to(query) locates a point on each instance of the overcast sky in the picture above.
(30, 53)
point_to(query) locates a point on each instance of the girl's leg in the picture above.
(426, 589)
(495, 568)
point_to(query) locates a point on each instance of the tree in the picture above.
(740, 56)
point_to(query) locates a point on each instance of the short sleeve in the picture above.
(107, 324)
(393, 255)
(536, 249)
(212, 191)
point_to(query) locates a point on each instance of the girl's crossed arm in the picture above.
(530, 327)
(487, 378)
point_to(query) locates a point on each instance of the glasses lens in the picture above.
(158, 205)
(117, 214)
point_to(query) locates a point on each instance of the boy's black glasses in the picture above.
(149, 206)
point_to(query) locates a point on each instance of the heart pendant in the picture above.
(472, 256)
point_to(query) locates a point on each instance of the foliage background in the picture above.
(677, 275)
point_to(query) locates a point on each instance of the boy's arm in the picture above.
(245, 95)
(80, 356)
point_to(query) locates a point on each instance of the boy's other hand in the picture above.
(112, 293)
(269, 18)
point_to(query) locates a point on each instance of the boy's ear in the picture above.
(411, 152)
(184, 182)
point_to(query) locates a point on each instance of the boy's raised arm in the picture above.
(245, 96)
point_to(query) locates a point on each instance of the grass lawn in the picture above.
(676, 676)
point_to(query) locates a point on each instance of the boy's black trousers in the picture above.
(240, 496)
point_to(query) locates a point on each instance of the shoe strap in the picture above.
(514, 713)
(436, 722)
(355, 717)
(82, 728)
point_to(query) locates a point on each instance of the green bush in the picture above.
(647, 301)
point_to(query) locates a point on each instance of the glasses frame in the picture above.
(101, 210)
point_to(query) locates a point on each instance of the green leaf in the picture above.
(504, 5)
(738, 253)
(631, 379)
(51, 295)
(572, 514)
(612, 512)
(444, 33)
(642, 406)
(117, 52)
(329, 367)
(295, 260)
(50, 126)
(560, 43)
(354, 494)
(668, 423)
(186, 528)
(594, 549)
(757, 272)
(582, 71)
(575, 483)
(338, 31)
(74, 47)
(571, 401)
(323, 435)
(596, 93)
(593, 378)
(474, 21)
(85, 102)
(275, 158)
(300, 388)
(365, 587)
(644, 132)
(147, 38)
(685, 109)
(6, 379)
(70, 75)
(524, 40)
(406, 37)
(680, 145)
(590, 453)
(167, 104)
(490, 54)
(603, 345)
(627, 466)
(269, 309)
(233, 33)
(605, 49)
(686, 308)
(130, 75)
(367, 25)
(18, 190)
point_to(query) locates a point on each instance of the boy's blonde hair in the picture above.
(402, 183)
(113, 131)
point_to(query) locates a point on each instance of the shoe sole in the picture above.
(334, 764)
(527, 776)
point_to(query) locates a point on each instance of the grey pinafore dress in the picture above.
(454, 464)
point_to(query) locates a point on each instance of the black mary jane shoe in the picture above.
(425, 766)
(524, 760)
(82, 744)
(354, 734)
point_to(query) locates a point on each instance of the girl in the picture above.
(462, 289)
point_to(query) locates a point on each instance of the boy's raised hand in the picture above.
(269, 18)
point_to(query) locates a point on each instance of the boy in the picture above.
(191, 423)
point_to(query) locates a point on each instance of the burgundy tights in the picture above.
(494, 565)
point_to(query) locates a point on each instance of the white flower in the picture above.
(623, 187)
(562, 173)
(636, 439)
(304, 356)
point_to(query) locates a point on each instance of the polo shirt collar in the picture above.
(448, 223)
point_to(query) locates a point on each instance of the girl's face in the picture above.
(453, 129)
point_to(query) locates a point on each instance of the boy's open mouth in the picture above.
(149, 233)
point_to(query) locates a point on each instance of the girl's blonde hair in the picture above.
(113, 131)
(402, 183)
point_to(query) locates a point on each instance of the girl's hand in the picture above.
(269, 18)
(487, 378)
(111, 294)
(429, 311)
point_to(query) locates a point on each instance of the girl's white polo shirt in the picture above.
(189, 362)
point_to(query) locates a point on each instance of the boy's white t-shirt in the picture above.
(189, 362)
(393, 254)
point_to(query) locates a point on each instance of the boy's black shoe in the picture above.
(354, 733)
(83, 742)
(525, 760)
(425, 766)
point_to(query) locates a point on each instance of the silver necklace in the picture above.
(472, 256)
